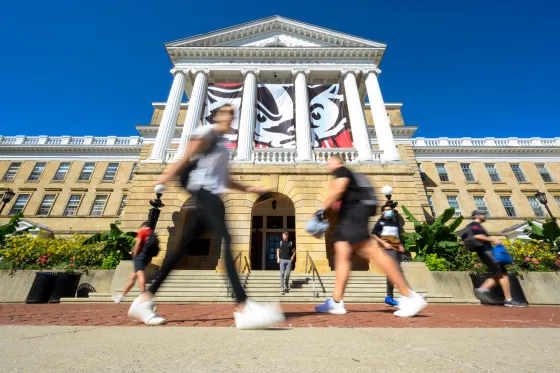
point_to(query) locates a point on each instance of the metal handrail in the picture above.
(314, 271)
(229, 285)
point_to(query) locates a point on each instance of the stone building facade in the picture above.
(82, 184)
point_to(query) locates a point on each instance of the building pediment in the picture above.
(275, 31)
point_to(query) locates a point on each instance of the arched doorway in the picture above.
(269, 218)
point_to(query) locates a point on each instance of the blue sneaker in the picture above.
(391, 302)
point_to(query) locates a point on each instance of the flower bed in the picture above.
(29, 252)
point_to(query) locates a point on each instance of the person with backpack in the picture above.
(204, 173)
(387, 233)
(285, 256)
(141, 257)
(351, 235)
(477, 239)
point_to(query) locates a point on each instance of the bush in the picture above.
(436, 264)
(29, 252)
(111, 261)
(532, 255)
(464, 260)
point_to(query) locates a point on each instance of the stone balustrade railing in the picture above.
(71, 140)
(444, 142)
(274, 156)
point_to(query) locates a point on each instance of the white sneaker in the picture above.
(144, 311)
(258, 315)
(330, 306)
(117, 298)
(411, 305)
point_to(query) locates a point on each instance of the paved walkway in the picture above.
(220, 315)
(64, 349)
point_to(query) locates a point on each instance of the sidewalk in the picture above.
(220, 315)
(62, 349)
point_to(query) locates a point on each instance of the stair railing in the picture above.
(313, 269)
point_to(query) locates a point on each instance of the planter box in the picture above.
(496, 293)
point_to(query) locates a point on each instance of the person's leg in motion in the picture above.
(117, 298)
(141, 281)
(343, 266)
(389, 299)
(410, 303)
(282, 273)
(288, 271)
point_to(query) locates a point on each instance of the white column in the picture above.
(357, 119)
(247, 117)
(303, 126)
(196, 102)
(169, 119)
(380, 119)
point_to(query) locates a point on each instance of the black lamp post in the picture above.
(541, 197)
(153, 215)
(6, 198)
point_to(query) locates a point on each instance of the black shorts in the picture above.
(140, 262)
(487, 257)
(353, 225)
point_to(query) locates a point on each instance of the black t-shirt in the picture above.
(349, 198)
(477, 229)
(286, 249)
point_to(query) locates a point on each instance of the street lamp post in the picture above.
(541, 197)
(153, 215)
(6, 198)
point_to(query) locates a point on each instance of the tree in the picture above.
(11, 227)
(436, 238)
(549, 233)
(115, 240)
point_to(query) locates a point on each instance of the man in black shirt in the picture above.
(284, 256)
(485, 254)
(387, 233)
(352, 235)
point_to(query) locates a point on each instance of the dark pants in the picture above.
(209, 213)
(397, 257)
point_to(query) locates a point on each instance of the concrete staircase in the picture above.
(189, 286)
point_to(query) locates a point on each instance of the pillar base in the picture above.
(244, 161)
(305, 161)
(153, 160)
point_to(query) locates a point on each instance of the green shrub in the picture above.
(436, 264)
(111, 261)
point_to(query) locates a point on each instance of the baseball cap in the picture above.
(479, 212)
(317, 227)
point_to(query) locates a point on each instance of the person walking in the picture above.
(351, 235)
(387, 233)
(285, 255)
(205, 174)
(482, 245)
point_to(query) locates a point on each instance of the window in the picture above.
(422, 173)
(62, 171)
(452, 200)
(275, 222)
(544, 173)
(518, 172)
(111, 172)
(98, 206)
(20, 203)
(37, 171)
(46, 205)
(72, 206)
(493, 172)
(467, 172)
(442, 172)
(132, 172)
(123, 203)
(536, 205)
(87, 171)
(508, 205)
(432, 208)
(12, 171)
(291, 222)
(557, 199)
(481, 204)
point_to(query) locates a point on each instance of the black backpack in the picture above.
(194, 162)
(151, 246)
(467, 236)
(365, 192)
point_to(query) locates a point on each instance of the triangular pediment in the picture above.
(276, 31)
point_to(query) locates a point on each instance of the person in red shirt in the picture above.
(140, 261)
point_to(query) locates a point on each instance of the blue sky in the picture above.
(476, 69)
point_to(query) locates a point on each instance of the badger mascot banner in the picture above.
(275, 125)
(221, 94)
(328, 119)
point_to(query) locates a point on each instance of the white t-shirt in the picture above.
(211, 172)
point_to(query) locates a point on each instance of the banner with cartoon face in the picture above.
(327, 116)
(221, 94)
(275, 121)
